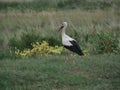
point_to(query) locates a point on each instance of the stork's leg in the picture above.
(73, 58)
(66, 58)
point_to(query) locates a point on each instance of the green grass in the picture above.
(100, 72)
(39, 5)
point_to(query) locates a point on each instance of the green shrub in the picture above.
(14, 42)
(30, 37)
(108, 42)
(25, 40)
(51, 40)
(104, 42)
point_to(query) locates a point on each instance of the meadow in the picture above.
(99, 72)
(95, 24)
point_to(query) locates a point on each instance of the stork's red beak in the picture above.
(61, 28)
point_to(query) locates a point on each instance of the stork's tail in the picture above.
(80, 53)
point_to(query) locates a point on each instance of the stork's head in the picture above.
(63, 26)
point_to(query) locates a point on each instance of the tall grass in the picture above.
(80, 21)
(47, 23)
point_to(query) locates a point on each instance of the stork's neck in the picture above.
(63, 31)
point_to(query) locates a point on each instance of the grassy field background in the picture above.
(85, 18)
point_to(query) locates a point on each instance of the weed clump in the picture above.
(103, 42)
(27, 38)
(39, 49)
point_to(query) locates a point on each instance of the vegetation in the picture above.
(101, 72)
(103, 42)
(97, 29)
(40, 5)
(30, 28)
(27, 38)
(39, 49)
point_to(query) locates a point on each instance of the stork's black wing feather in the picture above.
(75, 47)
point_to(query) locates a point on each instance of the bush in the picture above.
(104, 42)
(14, 42)
(107, 42)
(39, 49)
(25, 40)
(51, 40)
(24, 45)
(30, 37)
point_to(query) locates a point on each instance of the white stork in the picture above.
(68, 42)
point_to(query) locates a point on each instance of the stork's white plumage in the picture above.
(68, 42)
